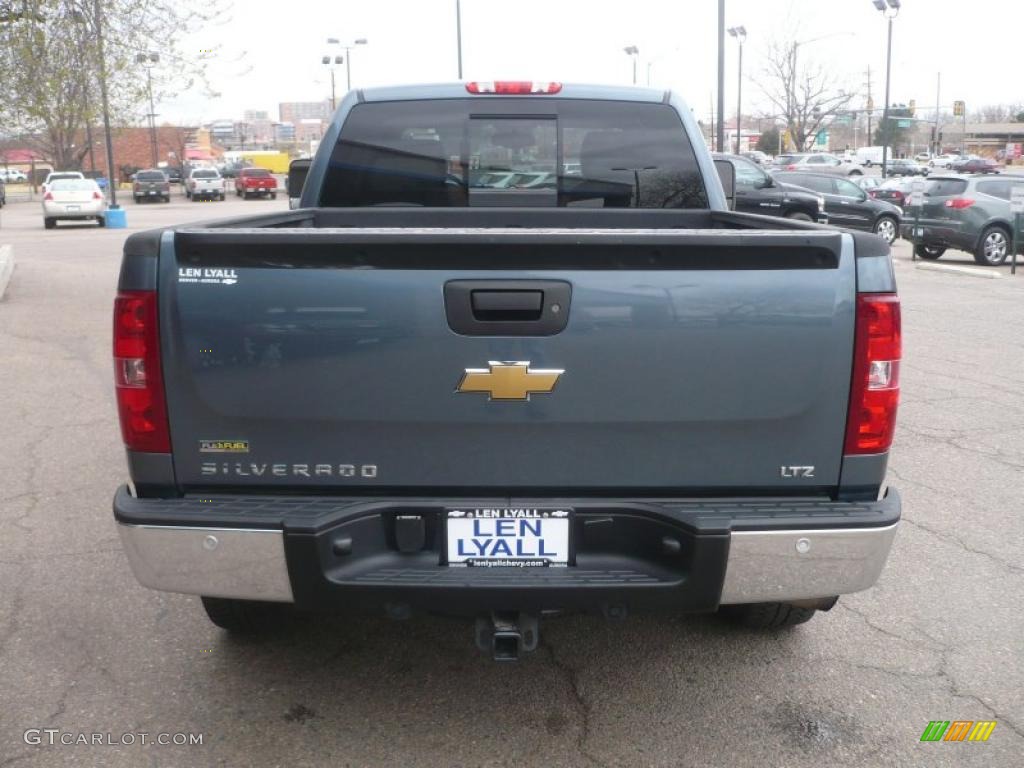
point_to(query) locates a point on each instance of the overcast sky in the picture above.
(270, 51)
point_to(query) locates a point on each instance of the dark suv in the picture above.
(758, 192)
(971, 213)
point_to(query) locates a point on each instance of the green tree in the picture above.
(49, 90)
(889, 132)
(769, 140)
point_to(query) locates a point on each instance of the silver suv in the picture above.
(821, 162)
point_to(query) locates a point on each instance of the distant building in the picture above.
(294, 111)
(284, 132)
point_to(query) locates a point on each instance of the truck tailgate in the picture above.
(691, 360)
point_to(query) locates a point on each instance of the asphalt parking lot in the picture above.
(85, 649)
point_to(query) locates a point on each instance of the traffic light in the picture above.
(912, 107)
(958, 109)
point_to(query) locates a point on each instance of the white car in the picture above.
(923, 157)
(58, 175)
(943, 161)
(822, 162)
(12, 175)
(74, 199)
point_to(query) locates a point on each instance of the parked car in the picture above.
(150, 184)
(3, 193)
(895, 191)
(12, 175)
(230, 170)
(822, 162)
(73, 199)
(204, 183)
(904, 167)
(943, 161)
(757, 156)
(255, 182)
(758, 192)
(868, 183)
(971, 213)
(353, 416)
(787, 158)
(847, 205)
(53, 176)
(923, 157)
(976, 165)
(173, 174)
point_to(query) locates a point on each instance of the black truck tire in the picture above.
(799, 216)
(242, 617)
(766, 615)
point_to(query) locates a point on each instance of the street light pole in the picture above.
(98, 13)
(740, 33)
(891, 9)
(632, 50)
(458, 32)
(720, 122)
(148, 60)
(326, 61)
(348, 60)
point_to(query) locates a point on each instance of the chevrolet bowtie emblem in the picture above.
(509, 381)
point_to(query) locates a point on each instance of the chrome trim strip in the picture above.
(243, 563)
(766, 566)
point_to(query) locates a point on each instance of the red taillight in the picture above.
(137, 376)
(96, 195)
(48, 196)
(875, 389)
(959, 203)
(513, 87)
(791, 167)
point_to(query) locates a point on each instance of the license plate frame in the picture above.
(548, 531)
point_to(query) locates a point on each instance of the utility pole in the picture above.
(720, 123)
(458, 32)
(870, 106)
(938, 108)
(98, 13)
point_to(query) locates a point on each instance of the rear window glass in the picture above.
(528, 152)
(817, 183)
(204, 174)
(73, 185)
(256, 172)
(151, 176)
(945, 187)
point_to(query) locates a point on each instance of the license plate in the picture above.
(152, 191)
(73, 207)
(508, 537)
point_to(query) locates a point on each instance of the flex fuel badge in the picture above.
(209, 275)
(223, 446)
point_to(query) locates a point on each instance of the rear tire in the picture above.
(101, 221)
(242, 617)
(798, 216)
(273, 195)
(929, 252)
(49, 223)
(765, 615)
(222, 197)
(856, 172)
(993, 247)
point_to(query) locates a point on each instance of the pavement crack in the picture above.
(950, 538)
(882, 630)
(579, 701)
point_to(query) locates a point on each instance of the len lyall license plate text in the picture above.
(508, 537)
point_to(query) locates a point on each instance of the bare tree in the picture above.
(997, 113)
(805, 95)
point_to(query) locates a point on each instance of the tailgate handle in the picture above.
(507, 306)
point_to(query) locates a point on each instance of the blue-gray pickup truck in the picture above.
(511, 355)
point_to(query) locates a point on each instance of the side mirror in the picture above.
(297, 172)
(727, 174)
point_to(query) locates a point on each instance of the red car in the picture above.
(255, 182)
(976, 165)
